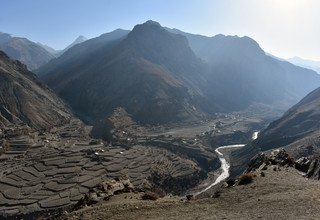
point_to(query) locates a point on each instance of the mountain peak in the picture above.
(78, 40)
(81, 38)
(148, 25)
(151, 22)
(156, 43)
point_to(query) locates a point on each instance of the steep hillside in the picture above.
(24, 50)
(25, 99)
(299, 122)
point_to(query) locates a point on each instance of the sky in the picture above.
(284, 28)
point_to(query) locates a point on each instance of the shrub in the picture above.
(5, 145)
(246, 178)
(150, 196)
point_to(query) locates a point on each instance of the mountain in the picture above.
(24, 50)
(23, 98)
(299, 124)
(309, 64)
(78, 56)
(158, 76)
(57, 53)
(249, 73)
(49, 49)
(78, 40)
(150, 72)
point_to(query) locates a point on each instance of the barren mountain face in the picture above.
(23, 98)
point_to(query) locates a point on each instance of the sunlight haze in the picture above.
(285, 28)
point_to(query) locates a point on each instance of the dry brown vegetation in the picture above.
(246, 178)
(150, 196)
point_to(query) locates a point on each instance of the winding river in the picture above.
(225, 166)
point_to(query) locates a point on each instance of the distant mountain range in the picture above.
(78, 40)
(249, 72)
(24, 50)
(24, 99)
(30, 53)
(309, 64)
(57, 53)
(162, 75)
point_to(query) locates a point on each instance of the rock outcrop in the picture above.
(310, 166)
(277, 157)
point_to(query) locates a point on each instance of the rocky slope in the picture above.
(24, 50)
(24, 99)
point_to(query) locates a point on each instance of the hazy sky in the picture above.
(282, 27)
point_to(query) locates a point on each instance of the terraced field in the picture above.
(41, 174)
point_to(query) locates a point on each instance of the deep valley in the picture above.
(156, 123)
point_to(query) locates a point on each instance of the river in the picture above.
(225, 166)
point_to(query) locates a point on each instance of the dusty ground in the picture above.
(283, 194)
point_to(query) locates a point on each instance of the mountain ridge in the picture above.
(24, 50)
(227, 74)
(309, 64)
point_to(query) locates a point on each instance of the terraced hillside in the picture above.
(43, 172)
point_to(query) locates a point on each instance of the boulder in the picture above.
(189, 197)
(281, 157)
(314, 170)
(231, 182)
(302, 164)
(256, 162)
(104, 191)
(150, 196)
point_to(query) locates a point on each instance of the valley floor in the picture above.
(281, 194)
(44, 172)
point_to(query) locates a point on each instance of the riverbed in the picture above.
(225, 166)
